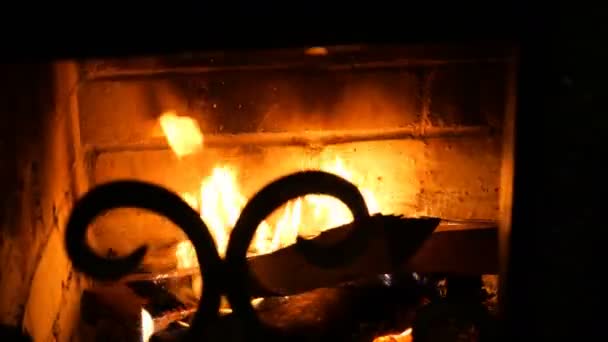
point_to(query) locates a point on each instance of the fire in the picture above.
(183, 133)
(405, 336)
(219, 200)
(147, 325)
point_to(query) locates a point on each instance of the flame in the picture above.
(405, 336)
(317, 51)
(219, 201)
(182, 132)
(147, 325)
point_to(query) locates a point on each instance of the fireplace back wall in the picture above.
(421, 126)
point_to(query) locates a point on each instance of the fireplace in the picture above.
(418, 129)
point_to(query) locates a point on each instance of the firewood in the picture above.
(115, 311)
(461, 247)
(163, 321)
(470, 251)
(159, 298)
(160, 276)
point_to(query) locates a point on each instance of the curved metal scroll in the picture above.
(161, 201)
(270, 198)
(134, 194)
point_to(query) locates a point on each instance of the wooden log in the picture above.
(114, 312)
(415, 230)
(457, 247)
(448, 250)
(466, 252)
(159, 276)
(163, 321)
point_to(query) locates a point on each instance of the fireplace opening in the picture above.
(419, 130)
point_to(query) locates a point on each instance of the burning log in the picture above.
(358, 311)
(460, 247)
(128, 312)
(162, 322)
(453, 248)
(158, 276)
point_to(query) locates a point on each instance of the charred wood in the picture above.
(455, 247)
(449, 250)
(163, 321)
(158, 299)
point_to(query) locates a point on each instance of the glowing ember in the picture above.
(219, 201)
(405, 336)
(147, 325)
(182, 132)
(317, 51)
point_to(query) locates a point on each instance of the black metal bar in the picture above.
(306, 139)
(229, 276)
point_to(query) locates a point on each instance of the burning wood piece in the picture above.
(467, 247)
(159, 299)
(162, 322)
(129, 312)
(450, 250)
(160, 276)
(405, 336)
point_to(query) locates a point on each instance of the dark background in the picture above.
(555, 272)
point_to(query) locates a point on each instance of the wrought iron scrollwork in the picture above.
(135, 194)
(228, 276)
(271, 198)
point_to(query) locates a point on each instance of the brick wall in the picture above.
(39, 292)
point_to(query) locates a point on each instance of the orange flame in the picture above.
(182, 133)
(405, 336)
(223, 201)
(147, 325)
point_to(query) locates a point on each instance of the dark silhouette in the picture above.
(13, 333)
(220, 276)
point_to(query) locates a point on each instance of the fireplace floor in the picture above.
(364, 310)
